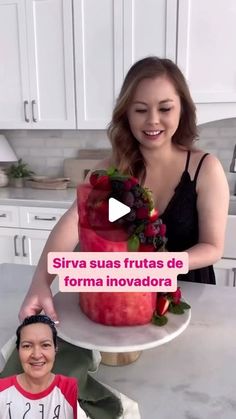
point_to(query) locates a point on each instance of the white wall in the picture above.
(45, 150)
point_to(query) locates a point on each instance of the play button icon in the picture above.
(116, 210)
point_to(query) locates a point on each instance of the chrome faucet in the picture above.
(233, 162)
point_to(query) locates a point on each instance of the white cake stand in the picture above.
(118, 345)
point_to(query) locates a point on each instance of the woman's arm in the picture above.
(63, 238)
(212, 205)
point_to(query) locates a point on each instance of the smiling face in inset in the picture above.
(37, 351)
(154, 112)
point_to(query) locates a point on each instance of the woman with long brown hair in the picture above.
(153, 133)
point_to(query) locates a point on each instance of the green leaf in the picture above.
(175, 308)
(139, 229)
(184, 305)
(119, 177)
(133, 243)
(159, 320)
(111, 171)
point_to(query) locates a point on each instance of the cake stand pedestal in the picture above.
(116, 359)
(118, 345)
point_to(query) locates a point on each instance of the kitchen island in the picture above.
(191, 377)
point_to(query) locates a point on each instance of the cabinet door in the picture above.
(109, 36)
(225, 272)
(14, 77)
(33, 242)
(10, 245)
(224, 276)
(149, 29)
(206, 41)
(230, 235)
(50, 50)
(98, 33)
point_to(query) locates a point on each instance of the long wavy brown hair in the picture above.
(125, 148)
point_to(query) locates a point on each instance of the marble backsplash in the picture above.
(45, 150)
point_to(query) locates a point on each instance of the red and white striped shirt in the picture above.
(58, 401)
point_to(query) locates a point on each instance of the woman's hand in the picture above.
(63, 238)
(38, 298)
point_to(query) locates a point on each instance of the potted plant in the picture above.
(18, 172)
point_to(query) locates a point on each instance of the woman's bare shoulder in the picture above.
(211, 174)
(210, 162)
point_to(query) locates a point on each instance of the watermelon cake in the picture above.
(140, 230)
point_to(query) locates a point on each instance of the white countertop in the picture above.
(37, 197)
(191, 377)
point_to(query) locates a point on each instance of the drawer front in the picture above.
(230, 238)
(9, 216)
(40, 218)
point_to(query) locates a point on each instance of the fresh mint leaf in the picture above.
(184, 305)
(119, 177)
(159, 320)
(111, 170)
(175, 309)
(139, 229)
(133, 243)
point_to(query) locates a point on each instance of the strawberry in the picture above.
(103, 182)
(176, 296)
(133, 180)
(162, 305)
(93, 178)
(150, 230)
(153, 216)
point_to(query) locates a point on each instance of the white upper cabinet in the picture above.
(39, 49)
(205, 53)
(110, 35)
(36, 76)
(14, 74)
(149, 29)
(98, 29)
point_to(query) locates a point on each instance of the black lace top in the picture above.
(181, 219)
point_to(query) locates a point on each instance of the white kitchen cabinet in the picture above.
(21, 246)
(110, 35)
(206, 41)
(8, 245)
(24, 232)
(225, 272)
(225, 268)
(36, 74)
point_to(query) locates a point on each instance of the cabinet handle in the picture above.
(3, 215)
(15, 247)
(33, 107)
(36, 217)
(23, 246)
(25, 110)
(234, 277)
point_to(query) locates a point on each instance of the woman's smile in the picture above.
(153, 135)
(37, 364)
